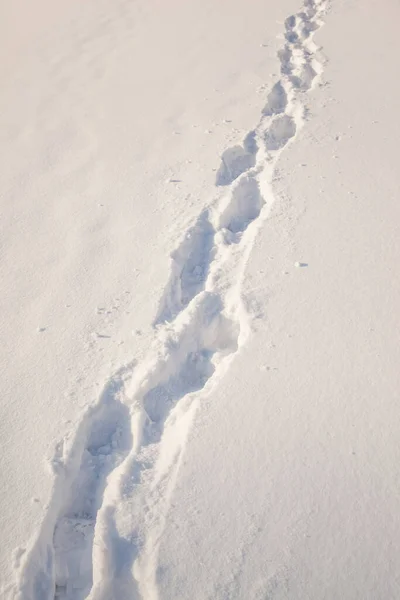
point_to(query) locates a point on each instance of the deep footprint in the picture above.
(276, 101)
(237, 160)
(280, 132)
(244, 206)
(189, 269)
(108, 441)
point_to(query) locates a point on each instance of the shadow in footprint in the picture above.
(237, 160)
(186, 364)
(285, 56)
(108, 439)
(305, 80)
(192, 376)
(244, 206)
(189, 270)
(276, 101)
(121, 553)
(280, 132)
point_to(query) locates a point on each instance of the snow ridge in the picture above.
(114, 479)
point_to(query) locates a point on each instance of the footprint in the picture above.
(184, 364)
(277, 101)
(193, 375)
(305, 79)
(311, 9)
(306, 27)
(237, 160)
(189, 270)
(285, 57)
(244, 206)
(290, 23)
(280, 132)
(107, 440)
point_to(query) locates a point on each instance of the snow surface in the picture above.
(245, 441)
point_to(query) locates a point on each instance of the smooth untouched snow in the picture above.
(247, 446)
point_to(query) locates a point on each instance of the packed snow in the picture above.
(200, 289)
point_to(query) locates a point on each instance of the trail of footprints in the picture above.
(199, 326)
(107, 438)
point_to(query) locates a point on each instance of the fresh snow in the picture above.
(200, 287)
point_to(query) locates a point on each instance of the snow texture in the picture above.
(238, 452)
(124, 459)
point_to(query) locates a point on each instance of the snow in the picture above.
(199, 290)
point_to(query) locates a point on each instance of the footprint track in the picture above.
(108, 439)
(58, 565)
(127, 450)
(190, 263)
(228, 224)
